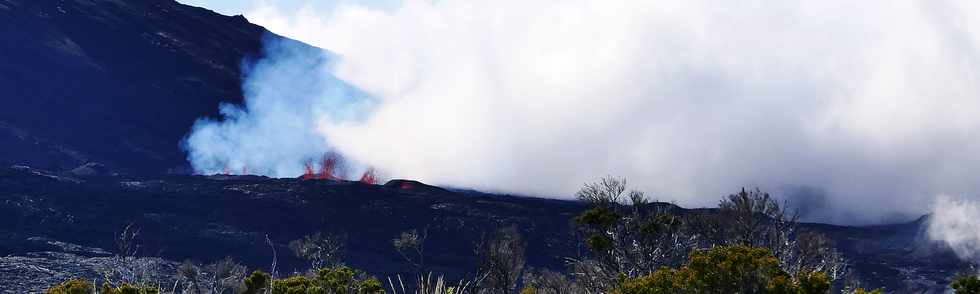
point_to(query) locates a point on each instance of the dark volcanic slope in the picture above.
(122, 81)
(206, 218)
(114, 81)
(44, 216)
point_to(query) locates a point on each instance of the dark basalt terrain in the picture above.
(120, 82)
(114, 81)
(58, 225)
(208, 218)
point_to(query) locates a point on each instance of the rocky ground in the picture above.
(118, 82)
(57, 225)
(207, 218)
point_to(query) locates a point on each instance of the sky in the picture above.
(242, 7)
(867, 110)
(227, 7)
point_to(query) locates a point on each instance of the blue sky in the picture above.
(234, 7)
(230, 7)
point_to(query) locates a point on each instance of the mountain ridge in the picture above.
(116, 82)
(100, 93)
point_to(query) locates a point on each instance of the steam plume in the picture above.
(874, 102)
(288, 92)
(956, 223)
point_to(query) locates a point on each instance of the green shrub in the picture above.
(966, 285)
(598, 217)
(733, 269)
(663, 281)
(79, 286)
(257, 282)
(813, 283)
(76, 286)
(339, 279)
(127, 289)
(334, 280)
(343, 279)
(296, 285)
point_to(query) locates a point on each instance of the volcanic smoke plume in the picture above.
(956, 223)
(873, 102)
(288, 93)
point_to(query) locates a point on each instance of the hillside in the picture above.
(100, 92)
(68, 224)
(116, 82)
(208, 218)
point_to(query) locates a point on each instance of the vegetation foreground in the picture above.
(752, 244)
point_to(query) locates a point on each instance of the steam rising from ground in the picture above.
(288, 92)
(873, 102)
(956, 223)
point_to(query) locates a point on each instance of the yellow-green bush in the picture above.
(339, 279)
(966, 285)
(80, 286)
(257, 282)
(733, 269)
(76, 286)
(127, 289)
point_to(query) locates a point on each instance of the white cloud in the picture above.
(956, 223)
(876, 102)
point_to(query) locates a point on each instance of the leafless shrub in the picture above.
(320, 249)
(411, 246)
(227, 274)
(137, 271)
(500, 258)
(630, 240)
(592, 276)
(126, 267)
(605, 193)
(754, 218)
(817, 253)
(190, 274)
(636, 239)
(126, 241)
(223, 276)
(550, 282)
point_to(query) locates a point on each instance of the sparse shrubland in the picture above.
(750, 244)
(727, 269)
(219, 277)
(500, 261)
(320, 249)
(79, 286)
(339, 279)
(966, 285)
(411, 246)
(631, 238)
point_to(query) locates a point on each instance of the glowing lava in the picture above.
(309, 174)
(328, 166)
(329, 169)
(369, 177)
